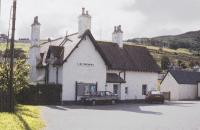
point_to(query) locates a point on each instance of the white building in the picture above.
(83, 65)
(182, 85)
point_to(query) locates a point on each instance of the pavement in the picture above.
(179, 115)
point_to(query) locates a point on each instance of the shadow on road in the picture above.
(119, 107)
(180, 103)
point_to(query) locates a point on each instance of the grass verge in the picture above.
(25, 118)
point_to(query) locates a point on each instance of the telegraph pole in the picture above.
(11, 89)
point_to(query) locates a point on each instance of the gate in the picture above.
(166, 95)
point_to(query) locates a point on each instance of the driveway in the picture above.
(180, 115)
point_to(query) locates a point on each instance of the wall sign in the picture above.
(86, 64)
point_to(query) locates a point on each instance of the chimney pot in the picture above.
(49, 39)
(115, 28)
(83, 11)
(119, 28)
(87, 13)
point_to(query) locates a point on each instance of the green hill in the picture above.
(189, 40)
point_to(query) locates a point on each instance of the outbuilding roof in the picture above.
(185, 77)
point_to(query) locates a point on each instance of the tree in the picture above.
(21, 72)
(183, 65)
(165, 62)
(191, 64)
(179, 62)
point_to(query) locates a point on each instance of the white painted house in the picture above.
(182, 85)
(83, 65)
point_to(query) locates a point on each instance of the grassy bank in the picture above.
(23, 46)
(25, 118)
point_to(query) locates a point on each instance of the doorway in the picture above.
(117, 90)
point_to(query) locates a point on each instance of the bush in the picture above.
(20, 79)
(165, 62)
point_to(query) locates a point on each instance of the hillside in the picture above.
(23, 46)
(189, 40)
(181, 54)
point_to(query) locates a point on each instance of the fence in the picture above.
(50, 94)
(4, 101)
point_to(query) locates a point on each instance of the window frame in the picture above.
(115, 88)
(144, 89)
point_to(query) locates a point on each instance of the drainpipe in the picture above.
(56, 74)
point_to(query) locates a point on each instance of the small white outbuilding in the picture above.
(182, 85)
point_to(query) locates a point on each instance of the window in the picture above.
(126, 90)
(144, 89)
(86, 89)
(115, 89)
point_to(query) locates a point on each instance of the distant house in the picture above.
(182, 85)
(3, 37)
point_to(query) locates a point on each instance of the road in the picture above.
(180, 115)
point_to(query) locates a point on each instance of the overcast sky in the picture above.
(139, 18)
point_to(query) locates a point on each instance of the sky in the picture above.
(139, 18)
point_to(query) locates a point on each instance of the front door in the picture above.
(117, 90)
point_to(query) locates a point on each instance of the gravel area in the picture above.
(179, 115)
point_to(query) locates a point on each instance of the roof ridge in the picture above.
(51, 40)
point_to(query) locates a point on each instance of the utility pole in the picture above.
(11, 89)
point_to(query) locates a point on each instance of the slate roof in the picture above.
(185, 77)
(131, 58)
(114, 78)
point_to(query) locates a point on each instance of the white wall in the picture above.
(72, 71)
(187, 91)
(33, 60)
(35, 35)
(41, 75)
(169, 84)
(178, 91)
(52, 74)
(134, 82)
